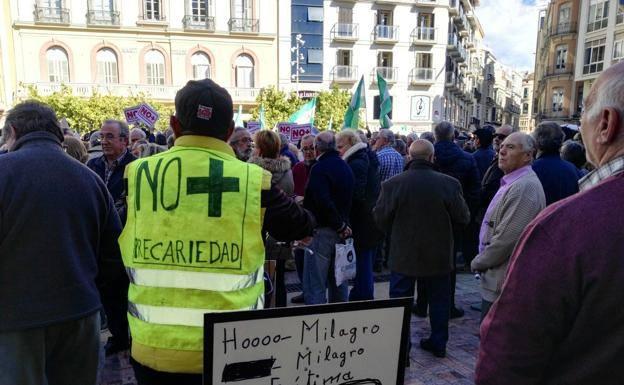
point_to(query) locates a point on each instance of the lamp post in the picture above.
(299, 42)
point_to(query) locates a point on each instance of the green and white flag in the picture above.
(305, 114)
(331, 123)
(261, 118)
(358, 100)
(238, 120)
(385, 103)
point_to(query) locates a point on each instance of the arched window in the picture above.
(106, 66)
(155, 67)
(201, 66)
(244, 72)
(58, 65)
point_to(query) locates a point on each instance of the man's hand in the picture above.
(303, 242)
(346, 233)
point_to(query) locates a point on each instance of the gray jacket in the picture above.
(516, 209)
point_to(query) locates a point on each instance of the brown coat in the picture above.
(419, 207)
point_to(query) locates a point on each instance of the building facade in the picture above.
(140, 46)
(601, 40)
(555, 92)
(527, 123)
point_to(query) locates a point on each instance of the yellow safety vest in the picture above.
(192, 244)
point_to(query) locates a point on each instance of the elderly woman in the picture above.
(366, 236)
(266, 154)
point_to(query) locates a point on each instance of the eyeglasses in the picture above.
(500, 136)
(110, 137)
(307, 148)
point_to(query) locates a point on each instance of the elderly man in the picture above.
(110, 167)
(136, 134)
(366, 236)
(560, 318)
(490, 181)
(390, 161)
(58, 232)
(420, 207)
(241, 143)
(559, 177)
(328, 196)
(517, 202)
(455, 162)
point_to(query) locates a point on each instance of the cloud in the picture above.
(510, 28)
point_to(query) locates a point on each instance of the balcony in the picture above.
(244, 25)
(345, 32)
(490, 101)
(198, 22)
(423, 35)
(451, 81)
(102, 17)
(476, 93)
(491, 78)
(390, 74)
(419, 76)
(563, 29)
(51, 15)
(472, 18)
(453, 7)
(386, 34)
(344, 74)
(461, 22)
(425, 3)
(164, 93)
(551, 73)
(452, 43)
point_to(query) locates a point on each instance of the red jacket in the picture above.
(301, 172)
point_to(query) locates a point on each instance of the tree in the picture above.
(331, 105)
(87, 114)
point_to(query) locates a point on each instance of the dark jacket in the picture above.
(483, 157)
(57, 226)
(489, 186)
(560, 316)
(287, 153)
(419, 207)
(559, 177)
(329, 191)
(453, 161)
(365, 167)
(115, 183)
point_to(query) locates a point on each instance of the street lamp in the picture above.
(299, 43)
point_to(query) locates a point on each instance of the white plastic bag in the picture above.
(345, 261)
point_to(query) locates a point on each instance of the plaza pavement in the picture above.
(456, 368)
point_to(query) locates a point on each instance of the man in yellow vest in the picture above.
(192, 242)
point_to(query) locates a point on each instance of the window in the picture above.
(377, 107)
(619, 18)
(315, 56)
(151, 10)
(201, 66)
(58, 65)
(423, 60)
(562, 53)
(106, 66)
(343, 57)
(426, 20)
(315, 14)
(618, 50)
(598, 16)
(155, 67)
(525, 108)
(526, 92)
(102, 12)
(594, 56)
(557, 100)
(244, 72)
(345, 15)
(200, 9)
(384, 59)
(242, 9)
(384, 17)
(563, 22)
(101, 5)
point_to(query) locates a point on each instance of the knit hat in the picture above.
(202, 106)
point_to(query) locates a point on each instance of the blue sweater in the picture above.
(57, 225)
(483, 157)
(329, 191)
(559, 177)
(453, 161)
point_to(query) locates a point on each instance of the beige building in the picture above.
(527, 124)
(555, 94)
(137, 46)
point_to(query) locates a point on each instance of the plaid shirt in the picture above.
(612, 167)
(390, 163)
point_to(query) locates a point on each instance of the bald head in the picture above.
(421, 149)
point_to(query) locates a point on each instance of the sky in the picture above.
(510, 28)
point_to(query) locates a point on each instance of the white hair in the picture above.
(137, 130)
(610, 95)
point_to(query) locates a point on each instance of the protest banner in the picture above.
(131, 114)
(349, 343)
(147, 115)
(299, 131)
(253, 126)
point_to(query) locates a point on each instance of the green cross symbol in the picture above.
(214, 185)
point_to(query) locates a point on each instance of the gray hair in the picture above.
(124, 130)
(362, 136)
(95, 139)
(237, 134)
(141, 133)
(548, 137)
(350, 136)
(611, 95)
(32, 116)
(528, 143)
(150, 149)
(444, 131)
(428, 136)
(387, 135)
(400, 146)
(324, 142)
(308, 137)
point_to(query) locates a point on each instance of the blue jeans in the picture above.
(438, 296)
(364, 287)
(318, 269)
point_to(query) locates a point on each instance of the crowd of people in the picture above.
(153, 229)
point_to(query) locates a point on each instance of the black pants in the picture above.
(149, 376)
(115, 300)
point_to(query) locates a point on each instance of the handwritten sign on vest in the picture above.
(361, 343)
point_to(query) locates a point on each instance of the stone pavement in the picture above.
(425, 369)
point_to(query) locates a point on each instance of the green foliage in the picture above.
(87, 114)
(278, 107)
